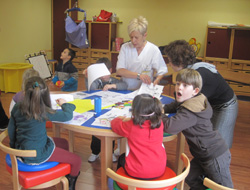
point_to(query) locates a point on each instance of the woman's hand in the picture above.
(60, 101)
(145, 79)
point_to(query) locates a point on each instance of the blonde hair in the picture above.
(191, 77)
(139, 24)
(28, 74)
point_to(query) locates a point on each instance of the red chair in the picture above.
(37, 179)
(167, 181)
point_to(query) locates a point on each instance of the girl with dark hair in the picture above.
(145, 153)
(27, 128)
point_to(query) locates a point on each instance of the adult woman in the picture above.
(219, 94)
(138, 59)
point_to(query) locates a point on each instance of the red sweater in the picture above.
(145, 154)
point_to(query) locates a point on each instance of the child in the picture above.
(20, 95)
(66, 72)
(145, 155)
(103, 83)
(106, 82)
(27, 129)
(193, 113)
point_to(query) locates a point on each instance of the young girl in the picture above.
(27, 129)
(145, 153)
(18, 97)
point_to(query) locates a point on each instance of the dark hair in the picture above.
(72, 53)
(145, 107)
(191, 77)
(106, 61)
(180, 53)
(36, 101)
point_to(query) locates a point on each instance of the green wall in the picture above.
(25, 25)
(170, 20)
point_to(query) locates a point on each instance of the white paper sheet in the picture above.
(154, 91)
(54, 97)
(105, 119)
(96, 71)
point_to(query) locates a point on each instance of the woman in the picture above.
(219, 94)
(139, 59)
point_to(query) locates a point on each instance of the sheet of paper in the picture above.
(96, 71)
(79, 119)
(54, 97)
(109, 98)
(105, 119)
(154, 91)
(80, 95)
(82, 105)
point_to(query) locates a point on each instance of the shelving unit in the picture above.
(100, 35)
(228, 48)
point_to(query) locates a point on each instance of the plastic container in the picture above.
(98, 106)
(11, 76)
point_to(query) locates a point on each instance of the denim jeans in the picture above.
(216, 169)
(224, 119)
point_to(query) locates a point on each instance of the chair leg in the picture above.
(65, 183)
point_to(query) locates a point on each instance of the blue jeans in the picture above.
(224, 119)
(216, 169)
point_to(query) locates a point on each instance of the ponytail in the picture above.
(36, 101)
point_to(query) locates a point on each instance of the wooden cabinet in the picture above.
(228, 48)
(100, 36)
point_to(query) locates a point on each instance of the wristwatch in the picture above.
(138, 76)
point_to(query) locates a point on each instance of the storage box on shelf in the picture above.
(228, 49)
(81, 61)
(100, 35)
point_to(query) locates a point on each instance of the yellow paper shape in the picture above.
(82, 105)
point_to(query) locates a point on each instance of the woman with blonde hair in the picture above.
(139, 59)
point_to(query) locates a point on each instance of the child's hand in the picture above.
(85, 73)
(60, 101)
(61, 84)
(109, 86)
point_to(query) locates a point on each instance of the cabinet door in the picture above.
(241, 48)
(218, 42)
(100, 36)
(114, 59)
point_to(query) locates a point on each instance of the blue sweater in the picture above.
(32, 135)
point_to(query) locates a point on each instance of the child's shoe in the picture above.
(93, 157)
(117, 152)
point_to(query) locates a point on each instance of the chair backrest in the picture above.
(133, 183)
(214, 186)
(13, 154)
(53, 176)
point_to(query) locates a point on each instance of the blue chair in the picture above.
(50, 175)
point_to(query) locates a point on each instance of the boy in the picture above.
(66, 72)
(103, 83)
(193, 113)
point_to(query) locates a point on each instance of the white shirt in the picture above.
(150, 59)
